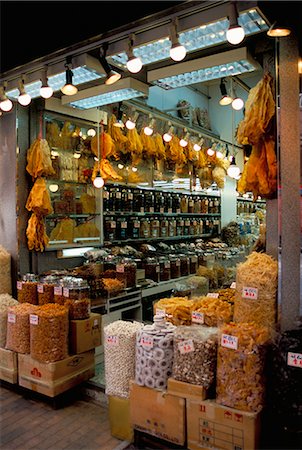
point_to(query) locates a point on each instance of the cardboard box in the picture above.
(119, 418)
(158, 413)
(186, 390)
(85, 334)
(52, 379)
(8, 366)
(210, 425)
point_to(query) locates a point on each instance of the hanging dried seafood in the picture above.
(37, 238)
(106, 170)
(121, 141)
(38, 159)
(106, 145)
(38, 200)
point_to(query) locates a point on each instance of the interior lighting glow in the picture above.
(233, 170)
(91, 132)
(237, 103)
(53, 187)
(98, 182)
(210, 152)
(235, 33)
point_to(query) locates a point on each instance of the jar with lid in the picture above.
(45, 289)
(27, 289)
(211, 206)
(126, 272)
(193, 227)
(77, 298)
(190, 205)
(184, 265)
(151, 266)
(186, 229)
(155, 227)
(110, 229)
(201, 229)
(180, 227)
(105, 199)
(174, 266)
(58, 296)
(111, 199)
(164, 228)
(121, 228)
(184, 204)
(139, 202)
(164, 268)
(204, 208)
(150, 202)
(193, 263)
(110, 262)
(172, 227)
(118, 200)
(176, 203)
(159, 202)
(134, 227)
(169, 204)
(127, 200)
(145, 230)
(216, 206)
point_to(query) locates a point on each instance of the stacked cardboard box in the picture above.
(8, 366)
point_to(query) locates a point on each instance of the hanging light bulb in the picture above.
(77, 155)
(235, 33)
(45, 90)
(120, 166)
(177, 51)
(219, 154)
(53, 187)
(134, 169)
(184, 141)
(169, 134)
(5, 103)
(134, 63)
(148, 130)
(91, 132)
(98, 182)
(237, 104)
(24, 99)
(69, 88)
(112, 75)
(226, 99)
(233, 170)
(131, 122)
(197, 145)
(210, 152)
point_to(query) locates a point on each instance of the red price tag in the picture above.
(197, 317)
(294, 359)
(250, 293)
(146, 341)
(229, 341)
(186, 346)
(112, 340)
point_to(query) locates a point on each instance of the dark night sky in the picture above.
(31, 29)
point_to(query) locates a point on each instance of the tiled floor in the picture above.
(29, 422)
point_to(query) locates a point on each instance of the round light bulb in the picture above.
(53, 187)
(235, 35)
(77, 155)
(134, 169)
(98, 182)
(69, 89)
(210, 152)
(6, 105)
(46, 91)
(196, 147)
(219, 155)
(95, 158)
(148, 131)
(91, 132)
(54, 153)
(24, 99)
(134, 64)
(233, 171)
(183, 143)
(225, 100)
(167, 137)
(120, 166)
(178, 52)
(237, 104)
(130, 125)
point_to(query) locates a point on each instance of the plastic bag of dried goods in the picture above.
(18, 328)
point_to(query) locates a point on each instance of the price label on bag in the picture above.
(112, 340)
(213, 294)
(197, 317)
(33, 319)
(40, 288)
(186, 346)
(146, 341)
(11, 318)
(19, 285)
(65, 292)
(229, 341)
(233, 285)
(120, 268)
(250, 292)
(95, 323)
(160, 312)
(58, 290)
(294, 359)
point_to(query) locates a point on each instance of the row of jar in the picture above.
(144, 228)
(139, 200)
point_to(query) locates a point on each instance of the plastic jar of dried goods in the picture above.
(164, 269)
(27, 289)
(45, 289)
(151, 266)
(77, 299)
(193, 263)
(58, 296)
(175, 266)
(184, 265)
(126, 272)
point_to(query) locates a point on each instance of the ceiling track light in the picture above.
(69, 88)
(134, 63)
(278, 30)
(5, 103)
(177, 50)
(226, 99)
(119, 123)
(45, 90)
(111, 75)
(235, 33)
(149, 128)
(24, 99)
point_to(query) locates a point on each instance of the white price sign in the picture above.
(19, 285)
(233, 285)
(40, 288)
(160, 312)
(95, 323)
(11, 318)
(294, 359)
(58, 290)
(213, 294)
(120, 268)
(186, 346)
(112, 340)
(33, 319)
(65, 292)
(229, 341)
(197, 317)
(250, 293)
(146, 341)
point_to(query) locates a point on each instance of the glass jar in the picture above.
(191, 205)
(105, 199)
(159, 202)
(45, 289)
(197, 205)
(151, 266)
(144, 230)
(186, 228)
(169, 204)
(176, 203)
(58, 296)
(110, 229)
(126, 272)
(154, 227)
(204, 205)
(193, 263)
(174, 266)
(110, 262)
(121, 228)
(164, 228)
(179, 227)
(184, 204)
(172, 227)
(184, 265)
(164, 269)
(134, 228)
(77, 299)
(27, 289)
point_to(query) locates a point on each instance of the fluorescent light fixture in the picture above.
(73, 252)
(204, 36)
(124, 89)
(233, 62)
(85, 68)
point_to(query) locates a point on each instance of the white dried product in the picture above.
(259, 272)
(49, 326)
(5, 272)
(154, 351)
(195, 355)
(18, 328)
(6, 300)
(119, 355)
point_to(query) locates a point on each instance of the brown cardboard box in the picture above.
(85, 334)
(186, 390)
(158, 413)
(119, 418)
(210, 425)
(52, 379)
(8, 366)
